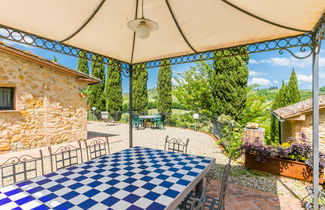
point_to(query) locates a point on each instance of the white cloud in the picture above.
(256, 73)
(290, 62)
(276, 82)
(252, 61)
(304, 78)
(259, 81)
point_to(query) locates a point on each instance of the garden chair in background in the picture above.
(106, 118)
(65, 156)
(137, 122)
(159, 122)
(176, 145)
(97, 147)
(17, 169)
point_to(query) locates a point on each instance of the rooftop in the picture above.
(298, 108)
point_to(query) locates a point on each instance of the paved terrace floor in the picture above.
(249, 190)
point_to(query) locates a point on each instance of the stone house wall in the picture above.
(305, 126)
(48, 107)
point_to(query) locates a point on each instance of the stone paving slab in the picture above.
(244, 198)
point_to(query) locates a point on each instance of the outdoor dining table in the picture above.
(148, 119)
(135, 178)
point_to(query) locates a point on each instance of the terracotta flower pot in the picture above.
(83, 95)
(288, 168)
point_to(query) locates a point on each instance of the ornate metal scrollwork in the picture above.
(125, 70)
(319, 35)
(18, 160)
(307, 201)
(52, 45)
(302, 49)
(302, 41)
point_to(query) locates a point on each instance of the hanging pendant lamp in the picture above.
(142, 26)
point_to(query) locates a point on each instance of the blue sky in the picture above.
(265, 69)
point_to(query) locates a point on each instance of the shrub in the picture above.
(232, 134)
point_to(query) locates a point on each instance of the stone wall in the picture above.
(48, 107)
(308, 128)
(298, 127)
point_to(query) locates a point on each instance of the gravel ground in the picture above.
(200, 144)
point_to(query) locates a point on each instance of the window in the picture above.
(6, 98)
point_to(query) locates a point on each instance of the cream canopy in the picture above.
(185, 26)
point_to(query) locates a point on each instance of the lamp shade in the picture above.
(142, 27)
(196, 116)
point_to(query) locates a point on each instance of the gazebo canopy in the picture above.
(185, 26)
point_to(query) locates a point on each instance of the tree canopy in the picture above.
(83, 63)
(96, 96)
(287, 95)
(113, 88)
(217, 88)
(139, 91)
(229, 86)
(164, 90)
(193, 88)
(293, 93)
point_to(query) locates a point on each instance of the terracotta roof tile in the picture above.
(298, 108)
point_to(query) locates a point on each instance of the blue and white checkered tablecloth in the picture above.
(135, 178)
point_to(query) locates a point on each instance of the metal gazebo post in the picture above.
(315, 57)
(130, 108)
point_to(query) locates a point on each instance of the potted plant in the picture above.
(84, 93)
(289, 159)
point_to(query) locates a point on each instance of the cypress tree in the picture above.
(292, 91)
(83, 63)
(113, 89)
(229, 86)
(96, 97)
(55, 59)
(280, 101)
(139, 89)
(287, 95)
(164, 90)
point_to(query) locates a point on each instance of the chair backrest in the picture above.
(17, 169)
(135, 116)
(65, 156)
(162, 118)
(97, 147)
(104, 115)
(176, 145)
(224, 182)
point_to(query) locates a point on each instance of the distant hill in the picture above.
(270, 94)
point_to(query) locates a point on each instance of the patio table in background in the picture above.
(148, 118)
(135, 178)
